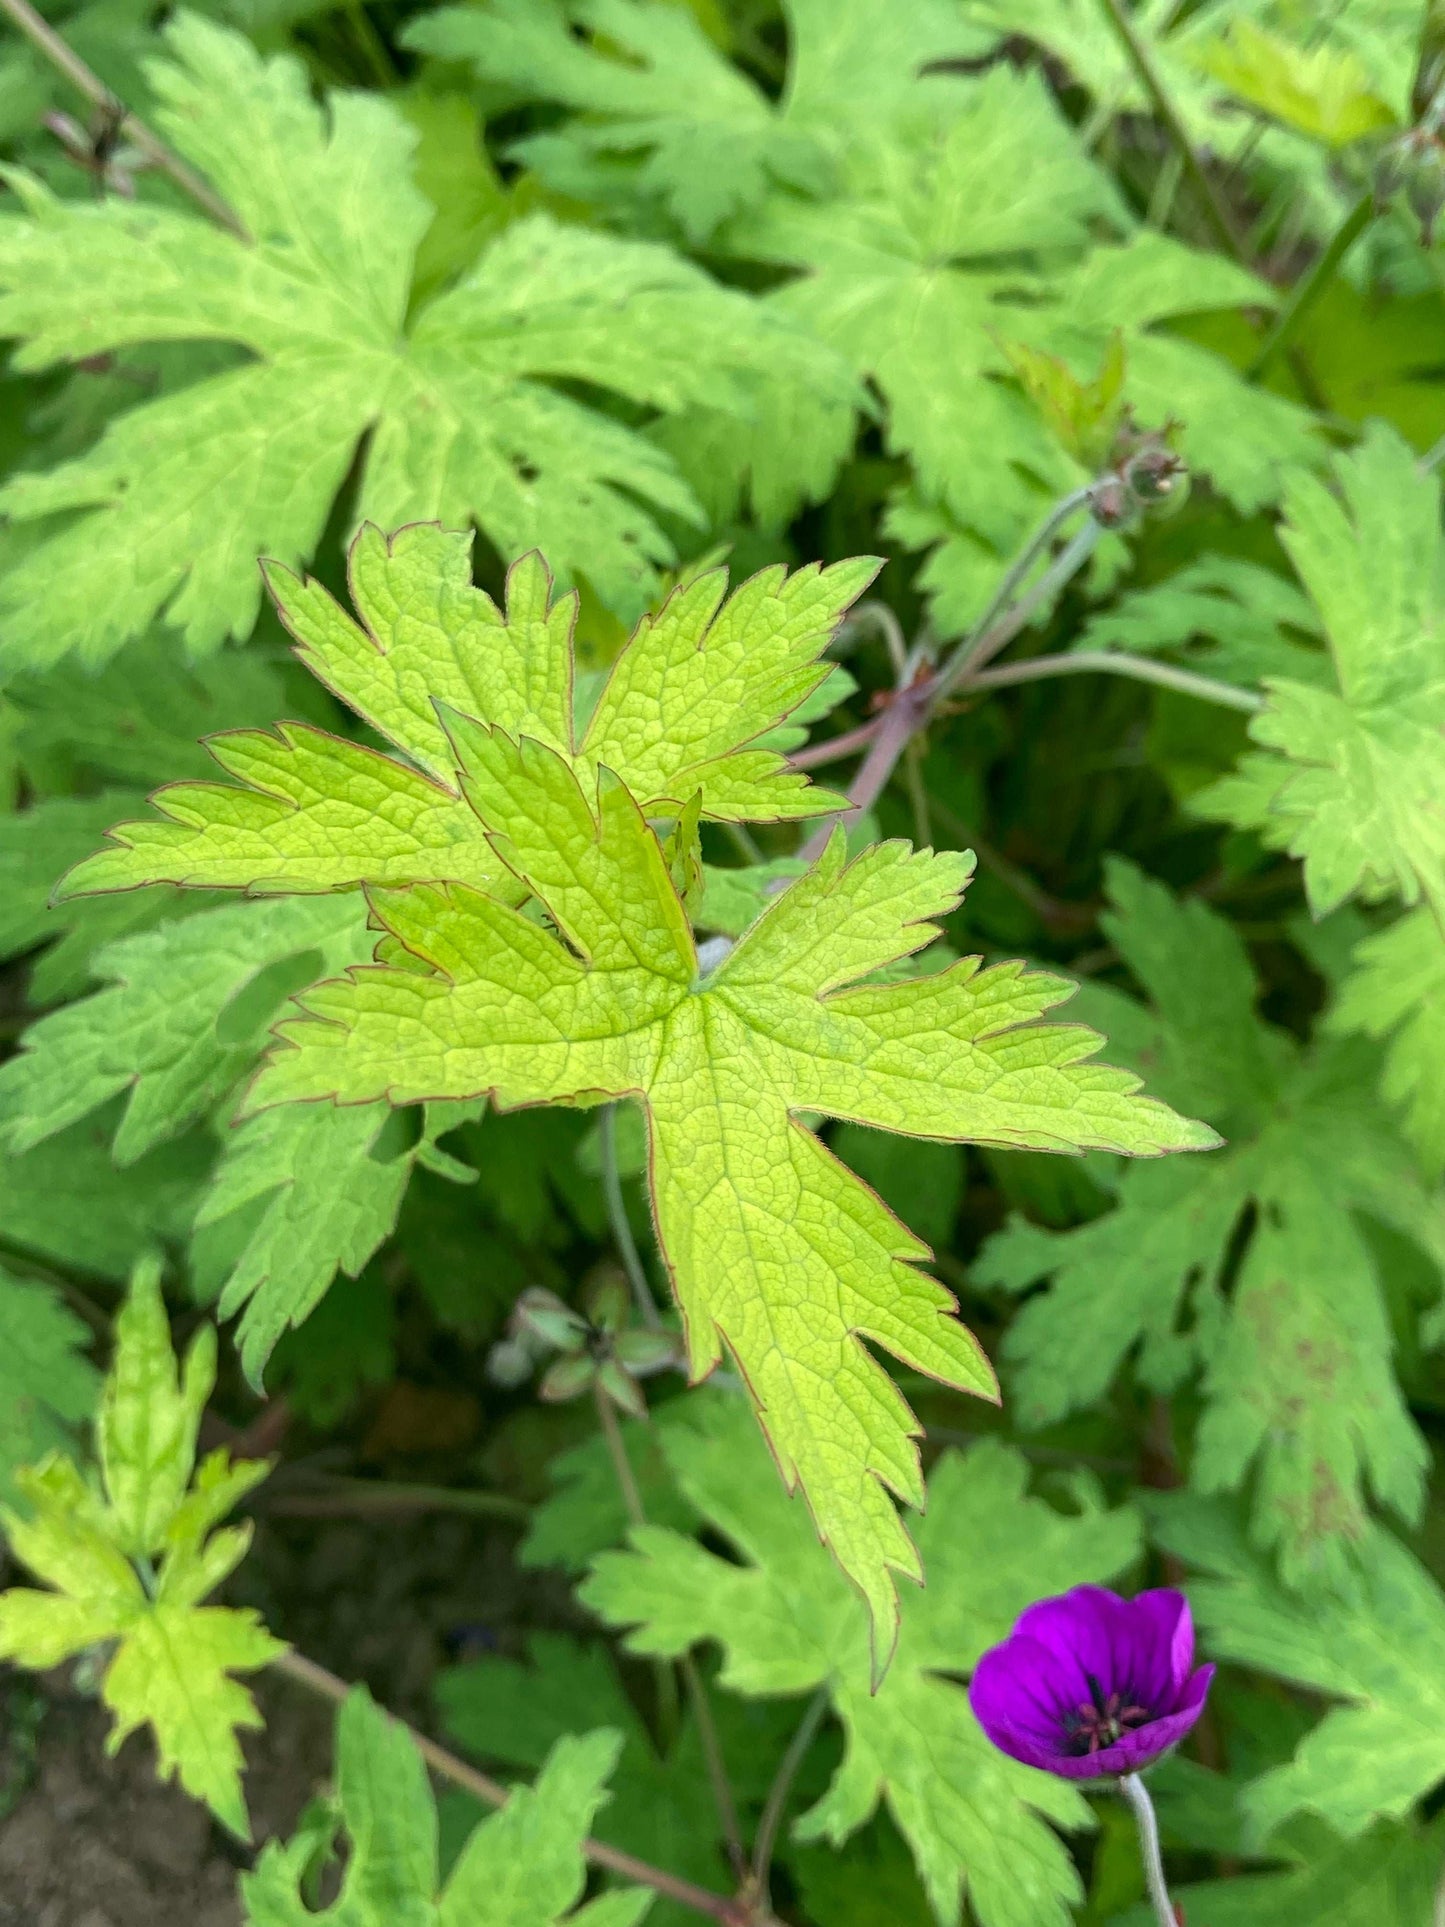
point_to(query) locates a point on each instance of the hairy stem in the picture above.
(1142, 62)
(621, 1228)
(63, 57)
(744, 842)
(316, 1679)
(918, 794)
(778, 1792)
(1116, 663)
(835, 748)
(913, 702)
(905, 715)
(982, 641)
(1312, 285)
(877, 615)
(1137, 1794)
(963, 672)
(717, 1773)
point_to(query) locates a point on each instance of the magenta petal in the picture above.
(1011, 1701)
(1166, 1632)
(1091, 1670)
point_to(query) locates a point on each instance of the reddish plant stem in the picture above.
(835, 748)
(905, 715)
(316, 1679)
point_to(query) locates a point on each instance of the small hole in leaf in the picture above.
(399, 1136)
(256, 1003)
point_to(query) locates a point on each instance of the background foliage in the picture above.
(650, 286)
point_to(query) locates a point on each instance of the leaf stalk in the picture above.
(317, 1679)
(717, 1773)
(66, 61)
(1142, 61)
(1312, 285)
(621, 1227)
(778, 1792)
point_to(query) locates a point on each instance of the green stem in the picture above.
(617, 1452)
(63, 57)
(914, 702)
(1116, 663)
(1143, 64)
(727, 1811)
(1312, 285)
(316, 1679)
(778, 1792)
(371, 45)
(621, 1227)
(1137, 1794)
(980, 644)
(339, 1496)
(918, 795)
(744, 842)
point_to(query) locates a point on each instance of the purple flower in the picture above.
(1092, 1686)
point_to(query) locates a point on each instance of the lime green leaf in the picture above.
(777, 1254)
(787, 1623)
(679, 715)
(650, 82)
(1252, 1267)
(297, 1196)
(1389, 1874)
(460, 400)
(47, 1385)
(172, 1657)
(37, 846)
(149, 1418)
(661, 1808)
(1397, 992)
(1321, 90)
(1378, 1647)
(918, 235)
(1351, 781)
(522, 1867)
(190, 1006)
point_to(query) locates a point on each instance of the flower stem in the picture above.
(1142, 61)
(1137, 1794)
(63, 57)
(621, 1228)
(316, 1679)
(1313, 285)
(1114, 662)
(983, 641)
(692, 1679)
(777, 1801)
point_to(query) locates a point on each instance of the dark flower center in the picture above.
(1101, 1721)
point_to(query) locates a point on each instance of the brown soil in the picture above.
(87, 1841)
